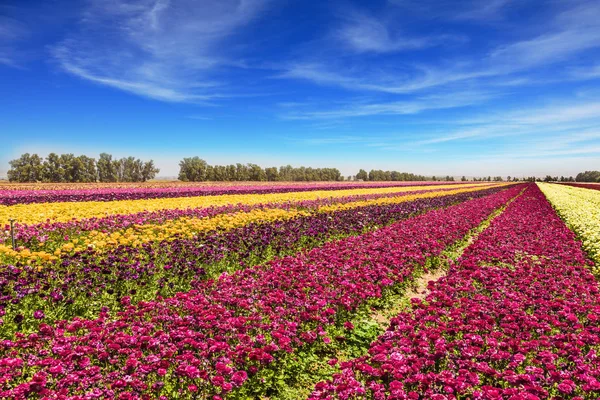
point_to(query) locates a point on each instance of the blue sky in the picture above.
(508, 87)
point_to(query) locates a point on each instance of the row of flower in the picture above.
(82, 283)
(580, 209)
(222, 334)
(48, 241)
(25, 233)
(593, 186)
(37, 213)
(12, 196)
(518, 317)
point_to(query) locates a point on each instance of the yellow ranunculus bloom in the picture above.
(580, 209)
(62, 212)
(137, 235)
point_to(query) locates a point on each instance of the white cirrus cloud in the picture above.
(571, 32)
(12, 32)
(160, 49)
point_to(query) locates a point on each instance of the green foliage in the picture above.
(588, 176)
(362, 175)
(27, 168)
(379, 175)
(71, 168)
(195, 169)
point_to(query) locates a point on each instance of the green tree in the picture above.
(53, 169)
(192, 169)
(362, 175)
(27, 168)
(107, 170)
(149, 171)
(272, 174)
(588, 176)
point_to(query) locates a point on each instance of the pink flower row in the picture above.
(518, 317)
(214, 338)
(11, 197)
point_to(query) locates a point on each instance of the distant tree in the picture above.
(149, 171)
(192, 169)
(107, 169)
(27, 168)
(362, 175)
(256, 173)
(88, 172)
(588, 176)
(272, 174)
(53, 169)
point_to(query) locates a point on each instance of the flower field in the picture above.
(277, 291)
(50, 193)
(516, 317)
(580, 208)
(48, 230)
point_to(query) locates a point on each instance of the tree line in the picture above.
(195, 169)
(379, 175)
(588, 176)
(72, 168)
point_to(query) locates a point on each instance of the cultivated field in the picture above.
(359, 290)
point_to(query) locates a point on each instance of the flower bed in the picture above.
(580, 209)
(212, 339)
(12, 196)
(45, 242)
(516, 318)
(82, 283)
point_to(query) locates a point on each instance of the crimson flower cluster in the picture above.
(212, 339)
(518, 317)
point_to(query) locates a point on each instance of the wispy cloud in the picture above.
(164, 50)
(403, 107)
(12, 32)
(199, 117)
(583, 73)
(571, 32)
(482, 10)
(466, 10)
(551, 127)
(363, 33)
(331, 140)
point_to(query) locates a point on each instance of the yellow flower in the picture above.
(137, 235)
(580, 209)
(62, 212)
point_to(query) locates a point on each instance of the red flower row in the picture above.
(516, 318)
